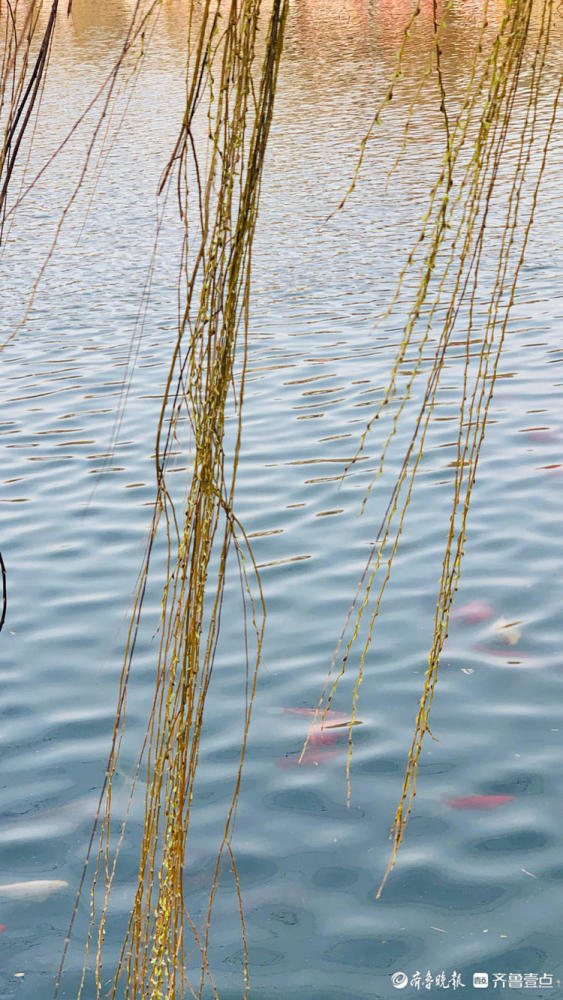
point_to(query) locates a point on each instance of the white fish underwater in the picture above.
(39, 889)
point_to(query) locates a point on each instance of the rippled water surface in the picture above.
(474, 889)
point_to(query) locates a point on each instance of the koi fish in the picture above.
(39, 889)
(511, 656)
(475, 611)
(322, 734)
(311, 758)
(336, 718)
(480, 801)
(541, 434)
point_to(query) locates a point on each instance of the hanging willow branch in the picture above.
(219, 206)
(20, 90)
(15, 102)
(461, 201)
(216, 168)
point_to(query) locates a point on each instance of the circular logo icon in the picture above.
(399, 980)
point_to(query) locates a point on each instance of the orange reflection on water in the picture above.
(333, 28)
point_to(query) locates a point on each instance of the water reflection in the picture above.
(350, 39)
(74, 537)
(90, 19)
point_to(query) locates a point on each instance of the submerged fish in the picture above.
(311, 758)
(334, 718)
(511, 656)
(541, 434)
(322, 734)
(480, 801)
(39, 889)
(475, 611)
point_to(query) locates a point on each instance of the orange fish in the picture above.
(322, 734)
(541, 434)
(510, 655)
(475, 611)
(480, 801)
(311, 758)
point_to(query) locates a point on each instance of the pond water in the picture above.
(475, 890)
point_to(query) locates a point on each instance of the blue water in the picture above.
(473, 890)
